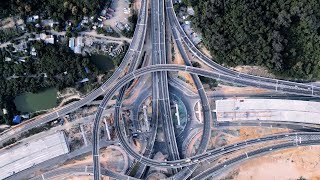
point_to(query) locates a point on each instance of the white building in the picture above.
(33, 18)
(71, 43)
(47, 38)
(268, 110)
(28, 154)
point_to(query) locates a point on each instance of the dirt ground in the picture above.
(254, 70)
(112, 159)
(285, 165)
(7, 23)
(108, 157)
(80, 178)
(239, 90)
(254, 132)
(119, 14)
(178, 60)
(205, 51)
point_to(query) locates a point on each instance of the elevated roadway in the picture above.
(216, 170)
(136, 74)
(80, 170)
(160, 58)
(135, 47)
(308, 139)
(204, 103)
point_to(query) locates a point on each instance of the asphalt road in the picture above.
(205, 108)
(121, 83)
(135, 47)
(165, 109)
(293, 140)
(216, 170)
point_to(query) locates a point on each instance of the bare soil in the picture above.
(285, 165)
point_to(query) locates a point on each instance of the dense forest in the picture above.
(282, 35)
(60, 10)
(54, 66)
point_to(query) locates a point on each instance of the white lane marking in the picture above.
(188, 169)
(247, 155)
(86, 169)
(208, 161)
(42, 177)
(102, 89)
(57, 113)
(200, 88)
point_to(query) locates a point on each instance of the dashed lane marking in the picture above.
(102, 89)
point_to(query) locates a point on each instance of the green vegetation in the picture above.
(60, 10)
(8, 34)
(211, 82)
(103, 62)
(36, 130)
(54, 66)
(9, 142)
(283, 35)
(106, 33)
(133, 20)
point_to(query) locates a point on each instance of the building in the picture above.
(47, 38)
(268, 110)
(16, 119)
(28, 154)
(32, 18)
(196, 39)
(120, 26)
(33, 52)
(71, 43)
(4, 111)
(190, 10)
(84, 80)
(76, 44)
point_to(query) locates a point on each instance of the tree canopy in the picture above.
(281, 35)
(54, 66)
(57, 9)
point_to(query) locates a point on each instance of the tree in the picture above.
(74, 10)
(284, 37)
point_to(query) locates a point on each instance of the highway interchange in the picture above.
(159, 69)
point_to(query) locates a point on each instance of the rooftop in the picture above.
(268, 109)
(25, 155)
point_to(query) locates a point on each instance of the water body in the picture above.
(31, 102)
(103, 62)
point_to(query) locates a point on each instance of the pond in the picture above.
(103, 62)
(31, 102)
